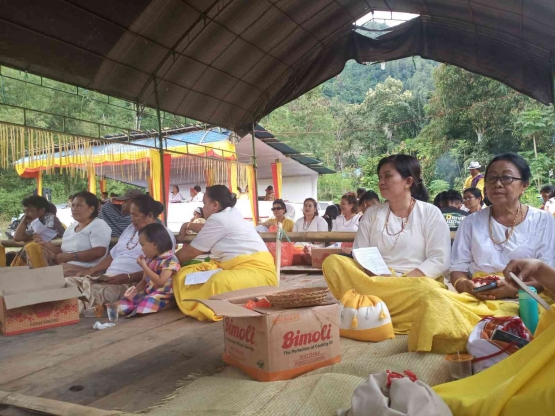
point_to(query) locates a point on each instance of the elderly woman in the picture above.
(410, 234)
(485, 243)
(108, 280)
(279, 209)
(85, 242)
(473, 200)
(521, 381)
(240, 259)
(32, 255)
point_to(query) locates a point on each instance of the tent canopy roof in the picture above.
(229, 62)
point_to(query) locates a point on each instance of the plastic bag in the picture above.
(488, 351)
(287, 249)
(394, 394)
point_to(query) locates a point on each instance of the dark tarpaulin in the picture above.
(229, 62)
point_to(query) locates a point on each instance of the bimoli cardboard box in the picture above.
(272, 344)
(320, 254)
(35, 299)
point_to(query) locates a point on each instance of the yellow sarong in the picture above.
(439, 320)
(520, 384)
(33, 255)
(242, 272)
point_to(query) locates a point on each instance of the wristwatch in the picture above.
(76, 256)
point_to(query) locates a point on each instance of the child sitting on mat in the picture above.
(154, 292)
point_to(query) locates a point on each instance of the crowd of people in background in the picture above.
(484, 230)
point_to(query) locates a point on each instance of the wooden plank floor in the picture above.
(131, 366)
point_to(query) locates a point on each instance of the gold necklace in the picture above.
(404, 222)
(507, 234)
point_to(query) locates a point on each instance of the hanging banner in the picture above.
(253, 194)
(103, 185)
(276, 179)
(91, 178)
(233, 178)
(209, 176)
(156, 175)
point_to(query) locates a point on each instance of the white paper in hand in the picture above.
(46, 234)
(200, 277)
(371, 259)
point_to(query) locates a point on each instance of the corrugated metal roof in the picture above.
(272, 141)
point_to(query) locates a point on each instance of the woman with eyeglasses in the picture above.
(279, 210)
(473, 200)
(485, 243)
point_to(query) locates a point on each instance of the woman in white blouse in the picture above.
(310, 222)
(175, 196)
(349, 218)
(507, 230)
(239, 257)
(412, 237)
(85, 242)
(485, 243)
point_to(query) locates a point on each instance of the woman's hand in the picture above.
(84, 273)
(64, 257)
(130, 293)
(503, 290)
(37, 239)
(141, 261)
(529, 270)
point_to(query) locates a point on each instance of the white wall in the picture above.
(295, 189)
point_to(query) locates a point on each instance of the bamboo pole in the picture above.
(278, 254)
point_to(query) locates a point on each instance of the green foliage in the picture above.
(437, 186)
(355, 119)
(333, 187)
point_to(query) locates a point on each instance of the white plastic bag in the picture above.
(384, 395)
(488, 352)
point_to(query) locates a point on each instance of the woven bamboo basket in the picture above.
(299, 298)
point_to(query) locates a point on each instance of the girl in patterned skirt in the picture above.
(154, 292)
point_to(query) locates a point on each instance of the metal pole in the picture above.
(255, 168)
(161, 144)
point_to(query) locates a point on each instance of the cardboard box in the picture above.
(35, 299)
(272, 344)
(320, 254)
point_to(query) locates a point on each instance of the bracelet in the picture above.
(129, 276)
(457, 281)
(76, 256)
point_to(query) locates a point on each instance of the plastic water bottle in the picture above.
(528, 309)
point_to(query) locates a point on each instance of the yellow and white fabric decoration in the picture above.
(364, 318)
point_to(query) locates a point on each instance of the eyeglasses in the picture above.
(505, 179)
(277, 208)
(468, 198)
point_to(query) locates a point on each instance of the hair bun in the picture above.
(159, 207)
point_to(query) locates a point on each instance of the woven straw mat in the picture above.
(320, 392)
